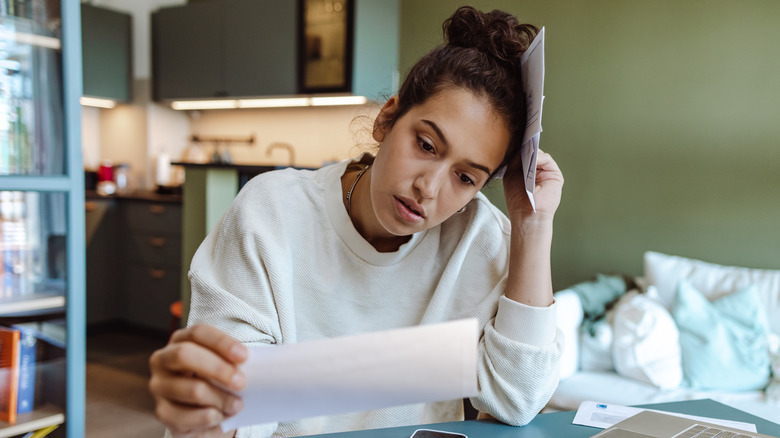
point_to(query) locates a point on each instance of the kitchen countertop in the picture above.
(139, 195)
(241, 167)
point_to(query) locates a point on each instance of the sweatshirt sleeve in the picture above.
(232, 291)
(232, 278)
(519, 354)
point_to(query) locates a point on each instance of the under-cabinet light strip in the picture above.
(268, 103)
(203, 104)
(338, 100)
(96, 102)
(273, 103)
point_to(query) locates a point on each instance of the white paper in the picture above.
(359, 373)
(604, 415)
(532, 70)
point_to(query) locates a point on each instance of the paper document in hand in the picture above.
(359, 373)
(532, 70)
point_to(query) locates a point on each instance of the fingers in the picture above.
(190, 421)
(545, 161)
(547, 168)
(194, 392)
(194, 377)
(213, 339)
(204, 352)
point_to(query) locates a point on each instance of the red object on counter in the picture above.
(106, 171)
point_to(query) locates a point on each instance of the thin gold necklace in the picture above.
(349, 192)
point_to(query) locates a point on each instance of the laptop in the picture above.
(650, 424)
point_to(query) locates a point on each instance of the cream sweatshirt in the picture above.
(285, 264)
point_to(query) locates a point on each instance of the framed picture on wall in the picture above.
(325, 52)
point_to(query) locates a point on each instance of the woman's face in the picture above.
(434, 159)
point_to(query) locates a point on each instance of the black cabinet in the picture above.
(106, 45)
(229, 48)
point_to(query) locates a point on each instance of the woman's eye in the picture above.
(466, 180)
(424, 145)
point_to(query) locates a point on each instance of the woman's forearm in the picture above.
(530, 276)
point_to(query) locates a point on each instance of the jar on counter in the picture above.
(122, 177)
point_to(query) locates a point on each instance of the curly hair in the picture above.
(481, 53)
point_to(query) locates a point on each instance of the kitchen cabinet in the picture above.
(134, 254)
(249, 48)
(151, 271)
(229, 48)
(106, 44)
(103, 259)
(41, 210)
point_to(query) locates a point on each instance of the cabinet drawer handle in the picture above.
(157, 242)
(157, 273)
(156, 209)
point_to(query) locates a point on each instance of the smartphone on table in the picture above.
(430, 433)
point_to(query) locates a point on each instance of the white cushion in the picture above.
(596, 344)
(570, 316)
(773, 390)
(645, 345)
(714, 281)
(596, 348)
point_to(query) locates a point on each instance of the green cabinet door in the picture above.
(106, 53)
(187, 54)
(260, 47)
(231, 48)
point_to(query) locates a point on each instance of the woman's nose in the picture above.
(429, 182)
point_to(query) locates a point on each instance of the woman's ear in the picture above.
(383, 118)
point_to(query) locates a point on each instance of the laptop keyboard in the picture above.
(699, 431)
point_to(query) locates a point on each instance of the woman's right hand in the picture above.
(188, 380)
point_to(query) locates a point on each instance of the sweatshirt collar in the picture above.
(337, 213)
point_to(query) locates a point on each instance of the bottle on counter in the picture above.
(163, 174)
(106, 185)
(122, 177)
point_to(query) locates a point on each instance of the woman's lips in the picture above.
(409, 210)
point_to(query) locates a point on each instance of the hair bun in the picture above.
(495, 33)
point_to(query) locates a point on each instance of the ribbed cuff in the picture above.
(526, 324)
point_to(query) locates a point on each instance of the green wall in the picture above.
(665, 119)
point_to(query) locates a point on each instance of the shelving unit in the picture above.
(42, 267)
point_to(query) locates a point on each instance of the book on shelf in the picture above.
(28, 343)
(22, 347)
(9, 374)
(20, 262)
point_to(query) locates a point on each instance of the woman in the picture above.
(399, 239)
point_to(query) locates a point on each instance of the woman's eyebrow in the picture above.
(441, 136)
(436, 129)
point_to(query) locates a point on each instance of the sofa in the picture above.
(686, 329)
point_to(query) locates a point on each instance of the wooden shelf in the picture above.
(37, 303)
(38, 419)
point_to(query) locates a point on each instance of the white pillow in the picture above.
(714, 281)
(773, 390)
(596, 349)
(646, 342)
(570, 314)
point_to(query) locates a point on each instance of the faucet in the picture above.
(287, 146)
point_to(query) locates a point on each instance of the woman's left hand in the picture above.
(547, 192)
